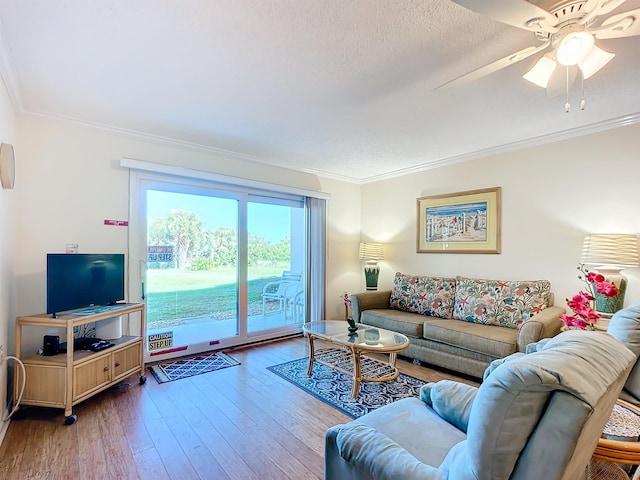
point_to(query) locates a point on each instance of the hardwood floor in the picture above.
(241, 422)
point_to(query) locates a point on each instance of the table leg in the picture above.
(356, 373)
(392, 359)
(312, 355)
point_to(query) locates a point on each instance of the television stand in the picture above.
(66, 379)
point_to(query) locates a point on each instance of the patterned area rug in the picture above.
(190, 366)
(334, 387)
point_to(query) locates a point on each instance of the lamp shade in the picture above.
(541, 71)
(597, 59)
(611, 249)
(371, 251)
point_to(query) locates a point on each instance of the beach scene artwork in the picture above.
(463, 222)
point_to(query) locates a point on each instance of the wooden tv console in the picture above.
(65, 379)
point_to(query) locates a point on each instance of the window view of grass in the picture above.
(177, 294)
(193, 274)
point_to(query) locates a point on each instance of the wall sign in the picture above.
(156, 253)
(117, 223)
(158, 341)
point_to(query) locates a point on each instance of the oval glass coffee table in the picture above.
(347, 357)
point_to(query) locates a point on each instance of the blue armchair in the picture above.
(535, 416)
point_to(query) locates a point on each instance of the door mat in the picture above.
(188, 367)
(334, 388)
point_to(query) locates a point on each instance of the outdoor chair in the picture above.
(298, 306)
(283, 291)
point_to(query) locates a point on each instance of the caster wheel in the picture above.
(71, 419)
(143, 379)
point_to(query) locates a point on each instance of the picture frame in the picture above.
(462, 222)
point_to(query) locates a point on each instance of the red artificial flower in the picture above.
(584, 316)
(607, 289)
(594, 277)
(580, 299)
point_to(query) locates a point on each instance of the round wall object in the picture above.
(7, 166)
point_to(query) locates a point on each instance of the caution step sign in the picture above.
(160, 341)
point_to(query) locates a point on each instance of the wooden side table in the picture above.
(602, 470)
(620, 437)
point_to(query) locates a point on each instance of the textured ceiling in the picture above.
(338, 87)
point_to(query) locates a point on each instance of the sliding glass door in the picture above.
(218, 266)
(192, 274)
(275, 265)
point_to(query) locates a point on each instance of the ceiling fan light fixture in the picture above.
(541, 72)
(574, 47)
(597, 59)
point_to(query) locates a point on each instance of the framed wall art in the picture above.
(463, 222)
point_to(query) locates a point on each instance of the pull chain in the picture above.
(583, 101)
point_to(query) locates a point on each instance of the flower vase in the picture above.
(607, 306)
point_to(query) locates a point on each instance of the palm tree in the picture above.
(182, 230)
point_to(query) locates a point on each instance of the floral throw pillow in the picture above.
(495, 302)
(431, 296)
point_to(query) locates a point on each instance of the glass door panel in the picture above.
(192, 271)
(275, 265)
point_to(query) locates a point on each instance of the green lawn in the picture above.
(174, 294)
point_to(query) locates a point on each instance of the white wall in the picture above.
(552, 196)
(71, 182)
(344, 269)
(7, 248)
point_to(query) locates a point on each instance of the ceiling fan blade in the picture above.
(601, 7)
(625, 24)
(596, 8)
(493, 67)
(518, 13)
(561, 79)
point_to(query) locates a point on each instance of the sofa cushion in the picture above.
(495, 302)
(431, 296)
(393, 421)
(489, 340)
(406, 323)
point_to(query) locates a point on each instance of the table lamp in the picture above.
(608, 254)
(371, 253)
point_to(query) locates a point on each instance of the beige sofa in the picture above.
(461, 324)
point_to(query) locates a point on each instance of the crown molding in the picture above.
(198, 147)
(466, 157)
(510, 147)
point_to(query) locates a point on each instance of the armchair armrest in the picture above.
(451, 400)
(270, 287)
(545, 324)
(369, 300)
(377, 456)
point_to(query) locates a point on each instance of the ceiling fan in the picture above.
(569, 30)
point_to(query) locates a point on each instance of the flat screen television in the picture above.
(80, 280)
